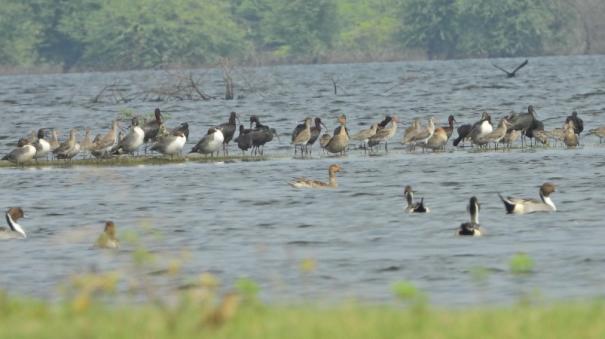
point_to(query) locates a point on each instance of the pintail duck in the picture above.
(133, 140)
(481, 128)
(108, 239)
(384, 134)
(228, 130)
(524, 206)
(471, 228)
(69, 148)
(14, 230)
(310, 183)
(210, 143)
(340, 141)
(42, 146)
(170, 144)
(24, 152)
(413, 207)
(301, 136)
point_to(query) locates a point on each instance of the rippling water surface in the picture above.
(242, 219)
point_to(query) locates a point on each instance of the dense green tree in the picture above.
(56, 19)
(503, 27)
(367, 26)
(18, 36)
(106, 34)
(304, 27)
(479, 28)
(147, 33)
(430, 25)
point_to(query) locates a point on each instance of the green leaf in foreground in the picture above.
(521, 263)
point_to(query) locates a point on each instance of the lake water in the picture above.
(241, 219)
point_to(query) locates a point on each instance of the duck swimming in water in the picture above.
(108, 239)
(310, 183)
(414, 207)
(14, 230)
(524, 206)
(471, 228)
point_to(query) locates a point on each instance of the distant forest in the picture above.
(140, 34)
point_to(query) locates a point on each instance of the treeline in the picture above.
(130, 34)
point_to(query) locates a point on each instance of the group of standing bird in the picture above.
(157, 137)
(514, 126)
(152, 134)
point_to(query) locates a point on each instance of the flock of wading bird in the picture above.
(170, 141)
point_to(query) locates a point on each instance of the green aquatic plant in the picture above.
(248, 288)
(409, 293)
(521, 263)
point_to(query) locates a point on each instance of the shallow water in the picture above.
(242, 219)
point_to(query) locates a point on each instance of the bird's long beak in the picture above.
(324, 125)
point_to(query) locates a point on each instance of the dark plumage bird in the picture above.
(256, 121)
(514, 72)
(151, 128)
(535, 126)
(526, 122)
(228, 129)
(244, 139)
(316, 131)
(578, 124)
(463, 133)
(260, 135)
(523, 121)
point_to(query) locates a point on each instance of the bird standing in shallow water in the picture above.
(228, 130)
(340, 141)
(310, 183)
(301, 136)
